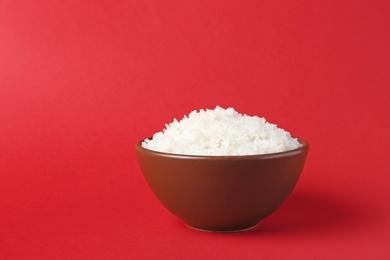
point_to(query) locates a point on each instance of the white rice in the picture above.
(221, 132)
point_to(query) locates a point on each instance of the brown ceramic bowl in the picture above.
(222, 193)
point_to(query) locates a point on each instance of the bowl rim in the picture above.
(302, 148)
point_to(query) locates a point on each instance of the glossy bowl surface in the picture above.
(222, 193)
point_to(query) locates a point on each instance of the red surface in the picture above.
(82, 81)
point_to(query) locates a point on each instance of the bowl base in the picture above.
(224, 230)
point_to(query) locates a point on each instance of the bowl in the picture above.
(222, 193)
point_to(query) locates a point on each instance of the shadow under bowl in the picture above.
(222, 193)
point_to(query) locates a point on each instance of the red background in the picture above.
(82, 81)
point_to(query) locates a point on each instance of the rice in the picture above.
(221, 132)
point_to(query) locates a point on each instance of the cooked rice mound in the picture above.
(221, 132)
